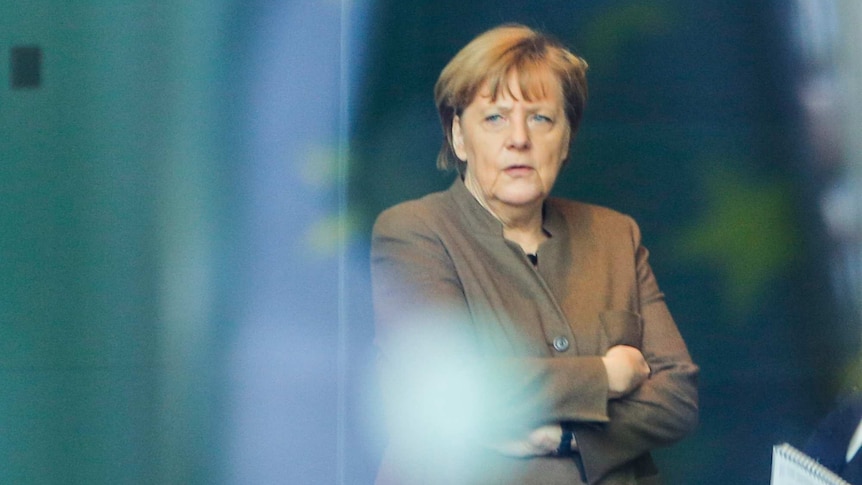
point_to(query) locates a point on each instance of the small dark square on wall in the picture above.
(26, 67)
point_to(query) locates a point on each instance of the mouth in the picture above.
(518, 170)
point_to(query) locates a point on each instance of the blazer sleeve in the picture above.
(412, 283)
(665, 408)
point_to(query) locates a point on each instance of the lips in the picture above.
(518, 170)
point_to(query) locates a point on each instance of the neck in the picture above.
(521, 224)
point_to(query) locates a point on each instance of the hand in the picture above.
(539, 442)
(627, 370)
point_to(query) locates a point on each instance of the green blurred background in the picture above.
(186, 197)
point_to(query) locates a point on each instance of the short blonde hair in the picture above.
(490, 58)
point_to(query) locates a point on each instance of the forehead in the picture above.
(530, 85)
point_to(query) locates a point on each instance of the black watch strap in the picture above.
(565, 448)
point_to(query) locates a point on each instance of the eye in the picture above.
(494, 118)
(541, 118)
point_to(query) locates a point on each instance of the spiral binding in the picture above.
(793, 467)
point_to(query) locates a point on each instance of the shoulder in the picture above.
(598, 221)
(573, 209)
(413, 215)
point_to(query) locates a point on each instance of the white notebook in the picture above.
(793, 467)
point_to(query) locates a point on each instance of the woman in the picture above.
(523, 338)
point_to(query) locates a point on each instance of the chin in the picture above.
(522, 198)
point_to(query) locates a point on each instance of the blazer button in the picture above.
(561, 344)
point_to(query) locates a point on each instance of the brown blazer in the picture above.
(544, 328)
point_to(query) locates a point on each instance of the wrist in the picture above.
(567, 440)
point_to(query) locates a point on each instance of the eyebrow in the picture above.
(531, 106)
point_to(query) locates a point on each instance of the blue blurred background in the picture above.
(187, 191)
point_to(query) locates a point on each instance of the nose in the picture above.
(519, 134)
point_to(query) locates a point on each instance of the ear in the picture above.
(458, 139)
(566, 147)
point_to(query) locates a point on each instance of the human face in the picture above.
(514, 148)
